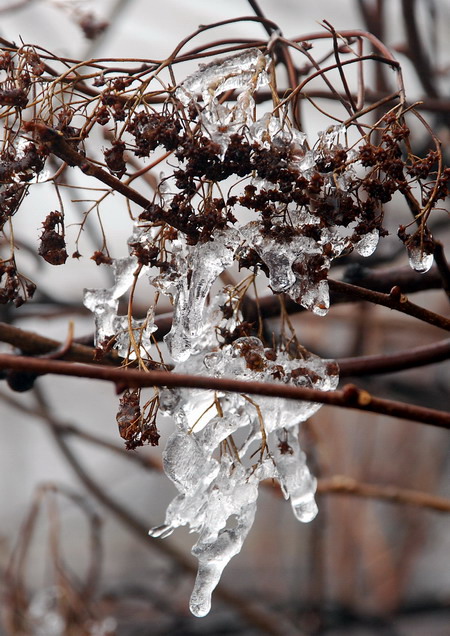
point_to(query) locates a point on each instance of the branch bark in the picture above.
(349, 397)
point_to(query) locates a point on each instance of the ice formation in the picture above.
(104, 303)
(225, 444)
(192, 272)
(420, 260)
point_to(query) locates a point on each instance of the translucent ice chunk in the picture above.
(420, 260)
(295, 479)
(278, 255)
(330, 137)
(204, 262)
(246, 70)
(217, 497)
(105, 302)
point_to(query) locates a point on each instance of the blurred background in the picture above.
(74, 511)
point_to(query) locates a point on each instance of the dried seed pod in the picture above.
(53, 245)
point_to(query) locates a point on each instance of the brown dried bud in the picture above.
(53, 245)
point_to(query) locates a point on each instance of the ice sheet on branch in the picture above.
(104, 303)
(225, 444)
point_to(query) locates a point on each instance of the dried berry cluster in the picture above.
(53, 245)
(14, 287)
(136, 426)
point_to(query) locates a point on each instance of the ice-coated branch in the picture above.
(350, 397)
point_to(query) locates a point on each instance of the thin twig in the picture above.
(395, 300)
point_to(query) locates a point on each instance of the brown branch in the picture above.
(343, 485)
(376, 280)
(383, 280)
(340, 484)
(442, 265)
(34, 344)
(349, 397)
(388, 363)
(395, 300)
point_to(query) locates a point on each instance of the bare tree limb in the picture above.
(340, 484)
(350, 397)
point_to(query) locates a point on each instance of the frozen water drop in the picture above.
(368, 243)
(420, 260)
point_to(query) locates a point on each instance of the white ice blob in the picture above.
(420, 260)
(368, 243)
(244, 70)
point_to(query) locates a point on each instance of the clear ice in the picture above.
(420, 260)
(193, 272)
(225, 444)
(104, 304)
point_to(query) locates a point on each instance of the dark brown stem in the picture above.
(383, 280)
(34, 344)
(442, 266)
(388, 363)
(395, 300)
(416, 50)
(350, 397)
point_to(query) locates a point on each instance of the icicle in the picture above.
(217, 497)
(202, 264)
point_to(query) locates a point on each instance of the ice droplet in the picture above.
(420, 260)
(368, 243)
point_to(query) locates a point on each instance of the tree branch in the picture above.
(350, 397)
(394, 300)
(340, 484)
(388, 363)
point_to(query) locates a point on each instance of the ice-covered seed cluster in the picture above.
(225, 444)
(307, 214)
